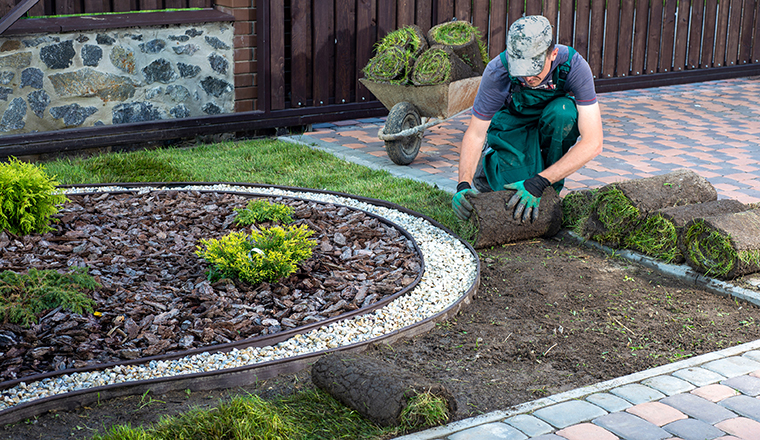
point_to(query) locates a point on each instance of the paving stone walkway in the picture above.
(712, 128)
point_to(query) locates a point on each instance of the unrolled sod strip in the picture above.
(726, 246)
(620, 207)
(576, 205)
(496, 225)
(660, 235)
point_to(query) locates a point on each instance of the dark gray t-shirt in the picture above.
(495, 85)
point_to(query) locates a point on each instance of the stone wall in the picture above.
(115, 76)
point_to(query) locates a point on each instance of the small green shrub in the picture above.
(27, 198)
(262, 211)
(267, 255)
(24, 296)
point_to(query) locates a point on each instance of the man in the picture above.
(534, 101)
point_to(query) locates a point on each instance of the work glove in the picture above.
(527, 198)
(462, 207)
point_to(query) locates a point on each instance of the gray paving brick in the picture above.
(609, 402)
(630, 427)
(698, 408)
(548, 437)
(693, 429)
(747, 406)
(569, 413)
(531, 426)
(489, 431)
(637, 393)
(668, 385)
(754, 355)
(733, 366)
(699, 376)
(749, 385)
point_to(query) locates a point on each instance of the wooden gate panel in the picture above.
(480, 13)
(301, 53)
(463, 10)
(323, 62)
(734, 33)
(498, 31)
(405, 13)
(425, 15)
(625, 38)
(655, 37)
(720, 34)
(345, 47)
(366, 35)
(682, 36)
(639, 50)
(581, 27)
(565, 29)
(612, 26)
(277, 54)
(748, 18)
(695, 34)
(596, 39)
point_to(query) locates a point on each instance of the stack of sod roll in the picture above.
(449, 52)
(673, 217)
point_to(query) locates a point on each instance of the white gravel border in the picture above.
(450, 271)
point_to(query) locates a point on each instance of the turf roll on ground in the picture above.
(620, 207)
(464, 39)
(380, 391)
(660, 235)
(576, 205)
(726, 246)
(439, 65)
(495, 225)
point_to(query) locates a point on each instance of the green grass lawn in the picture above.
(309, 414)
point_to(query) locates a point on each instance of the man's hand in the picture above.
(527, 198)
(462, 207)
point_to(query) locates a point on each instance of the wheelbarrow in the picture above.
(408, 105)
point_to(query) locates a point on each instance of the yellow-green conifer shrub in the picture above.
(28, 198)
(266, 255)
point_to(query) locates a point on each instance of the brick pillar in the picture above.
(244, 40)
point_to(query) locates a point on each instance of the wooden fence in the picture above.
(63, 7)
(318, 48)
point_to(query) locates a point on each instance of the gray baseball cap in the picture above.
(527, 41)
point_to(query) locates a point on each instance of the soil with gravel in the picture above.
(550, 315)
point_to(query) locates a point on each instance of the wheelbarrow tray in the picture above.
(437, 101)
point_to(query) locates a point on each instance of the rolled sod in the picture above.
(576, 205)
(660, 235)
(378, 390)
(464, 39)
(395, 55)
(439, 65)
(389, 66)
(496, 226)
(620, 207)
(725, 246)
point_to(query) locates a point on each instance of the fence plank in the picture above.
(596, 39)
(125, 6)
(668, 35)
(581, 27)
(533, 7)
(175, 4)
(515, 12)
(625, 38)
(682, 34)
(463, 10)
(301, 52)
(405, 13)
(720, 35)
(150, 5)
(565, 22)
(366, 34)
(695, 34)
(323, 61)
(37, 10)
(480, 12)
(66, 7)
(745, 49)
(639, 50)
(734, 33)
(92, 6)
(551, 12)
(612, 24)
(708, 36)
(655, 37)
(756, 41)
(445, 11)
(277, 54)
(345, 70)
(424, 15)
(498, 29)
(386, 18)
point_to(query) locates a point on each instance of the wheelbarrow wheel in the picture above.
(403, 116)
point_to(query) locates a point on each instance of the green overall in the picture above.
(531, 132)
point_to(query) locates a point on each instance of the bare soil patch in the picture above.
(550, 315)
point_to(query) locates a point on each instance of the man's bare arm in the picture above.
(472, 147)
(587, 148)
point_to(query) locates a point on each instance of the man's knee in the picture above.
(560, 115)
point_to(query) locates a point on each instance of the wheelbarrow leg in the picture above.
(403, 116)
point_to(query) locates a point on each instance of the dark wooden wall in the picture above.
(63, 7)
